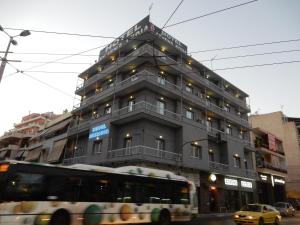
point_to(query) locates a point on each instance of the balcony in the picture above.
(268, 165)
(10, 147)
(148, 108)
(110, 69)
(145, 75)
(144, 152)
(78, 155)
(218, 167)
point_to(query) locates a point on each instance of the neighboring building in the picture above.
(34, 122)
(147, 102)
(286, 129)
(15, 141)
(271, 167)
(11, 142)
(48, 146)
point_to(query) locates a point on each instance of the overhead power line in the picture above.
(63, 33)
(244, 46)
(67, 63)
(172, 14)
(211, 13)
(251, 55)
(46, 53)
(257, 65)
(48, 85)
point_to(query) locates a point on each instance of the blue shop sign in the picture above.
(98, 131)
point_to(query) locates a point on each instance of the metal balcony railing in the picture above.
(218, 167)
(144, 107)
(145, 151)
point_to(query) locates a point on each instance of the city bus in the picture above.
(44, 194)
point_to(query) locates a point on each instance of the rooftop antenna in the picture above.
(150, 8)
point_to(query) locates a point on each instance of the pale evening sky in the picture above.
(271, 88)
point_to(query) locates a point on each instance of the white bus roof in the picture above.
(128, 170)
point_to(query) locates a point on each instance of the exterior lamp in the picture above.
(24, 33)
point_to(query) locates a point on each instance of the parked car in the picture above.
(285, 208)
(258, 214)
(295, 203)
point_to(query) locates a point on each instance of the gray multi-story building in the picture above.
(147, 102)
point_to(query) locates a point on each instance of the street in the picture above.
(228, 221)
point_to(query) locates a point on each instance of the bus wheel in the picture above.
(164, 217)
(60, 217)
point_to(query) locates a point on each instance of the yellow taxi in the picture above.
(258, 214)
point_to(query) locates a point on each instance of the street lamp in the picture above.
(24, 33)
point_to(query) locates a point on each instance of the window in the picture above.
(111, 83)
(107, 110)
(160, 144)
(160, 107)
(161, 80)
(133, 77)
(246, 164)
(127, 142)
(229, 130)
(131, 105)
(227, 107)
(189, 114)
(189, 89)
(211, 155)
(97, 146)
(237, 161)
(196, 151)
(208, 125)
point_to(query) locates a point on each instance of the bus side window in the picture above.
(63, 188)
(25, 186)
(180, 194)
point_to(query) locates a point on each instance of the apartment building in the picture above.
(286, 129)
(271, 167)
(14, 142)
(147, 102)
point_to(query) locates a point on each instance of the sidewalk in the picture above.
(208, 216)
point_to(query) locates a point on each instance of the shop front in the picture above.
(219, 193)
(271, 189)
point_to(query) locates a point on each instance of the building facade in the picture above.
(285, 129)
(147, 102)
(15, 142)
(271, 167)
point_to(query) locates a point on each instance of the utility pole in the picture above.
(24, 33)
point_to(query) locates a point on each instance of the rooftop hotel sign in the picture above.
(141, 27)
